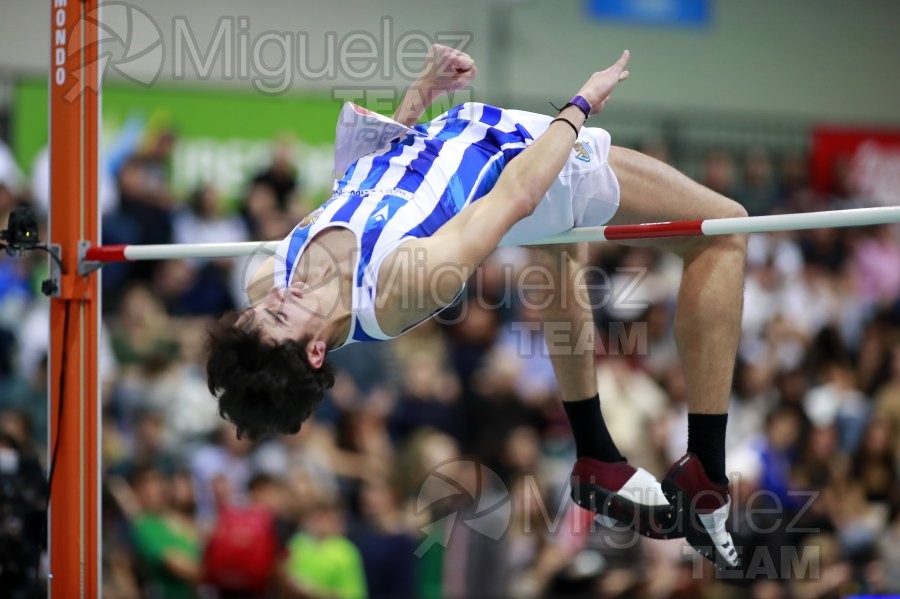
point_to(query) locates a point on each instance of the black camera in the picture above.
(22, 231)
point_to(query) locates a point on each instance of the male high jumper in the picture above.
(373, 261)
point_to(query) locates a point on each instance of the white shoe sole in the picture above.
(705, 532)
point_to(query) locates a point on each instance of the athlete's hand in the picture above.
(446, 70)
(598, 88)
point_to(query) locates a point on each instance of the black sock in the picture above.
(592, 438)
(706, 439)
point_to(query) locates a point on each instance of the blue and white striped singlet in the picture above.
(409, 189)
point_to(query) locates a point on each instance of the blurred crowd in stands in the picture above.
(438, 464)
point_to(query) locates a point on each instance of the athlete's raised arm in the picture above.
(441, 264)
(446, 70)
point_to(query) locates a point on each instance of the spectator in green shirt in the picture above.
(322, 560)
(166, 544)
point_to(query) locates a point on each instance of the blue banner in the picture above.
(675, 13)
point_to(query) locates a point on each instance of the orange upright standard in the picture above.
(74, 517)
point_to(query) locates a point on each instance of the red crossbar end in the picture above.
(106, 253)
(654, 230)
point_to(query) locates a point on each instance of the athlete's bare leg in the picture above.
(707, 329)
(708, 314)
(602, 480)
(567, 320)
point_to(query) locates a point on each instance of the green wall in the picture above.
(233, 124)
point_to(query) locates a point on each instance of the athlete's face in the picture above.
(292, 314)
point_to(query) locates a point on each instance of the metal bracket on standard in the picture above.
(52, 287)
(68, 285)
(86, 267)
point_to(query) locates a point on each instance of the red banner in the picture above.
(872, 158)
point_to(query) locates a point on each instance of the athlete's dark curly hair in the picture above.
(264, 388)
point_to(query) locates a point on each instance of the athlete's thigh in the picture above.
(652, 191)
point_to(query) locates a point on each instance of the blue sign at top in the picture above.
(676, 13)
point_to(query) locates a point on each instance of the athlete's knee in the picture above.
(735, 243)
(727, 208)
(731, 246)
(732, 209)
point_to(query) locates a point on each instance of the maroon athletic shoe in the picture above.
(702, 507)
(622, 495)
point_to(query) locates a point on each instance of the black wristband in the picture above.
(569, 123)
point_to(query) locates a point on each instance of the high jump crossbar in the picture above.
(856, 217)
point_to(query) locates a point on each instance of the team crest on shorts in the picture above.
(583, 151)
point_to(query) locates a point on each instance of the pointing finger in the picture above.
(623, 60)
